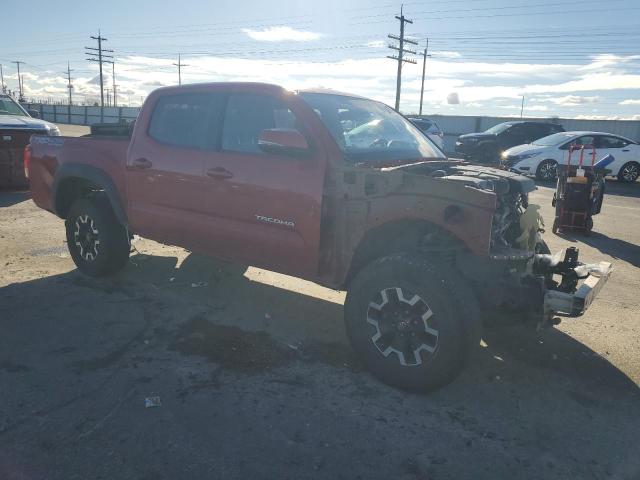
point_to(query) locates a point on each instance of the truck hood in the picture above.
(15, 122)
(475, 176)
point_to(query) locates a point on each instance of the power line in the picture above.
(180, 65)
(21, 97)
(424, 67)
(399, 57)
(100, 58)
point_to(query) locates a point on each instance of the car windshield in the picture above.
(501, 127)
(369, 131)
(555, 139)
(9, 107)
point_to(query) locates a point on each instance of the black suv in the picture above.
(486, 147)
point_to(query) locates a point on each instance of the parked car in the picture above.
(488, 146)
(255, 174)
(541, 157)
(16, 127)
(431, 129)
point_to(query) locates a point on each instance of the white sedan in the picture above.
(541, 157)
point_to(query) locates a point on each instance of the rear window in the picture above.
(188, 120)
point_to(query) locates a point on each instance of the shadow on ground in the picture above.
(12, 197)
(258, 381)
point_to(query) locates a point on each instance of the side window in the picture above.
(611, 142)
(185, 120)
(247, 115)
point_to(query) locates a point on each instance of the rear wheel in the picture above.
(97, 242)
(412, 321)
(547, 171)
(629, 172)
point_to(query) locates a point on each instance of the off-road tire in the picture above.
(542, 172)
(94, 216)
(629, 172)
(455, 317)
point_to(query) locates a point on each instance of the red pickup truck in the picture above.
(330, 187)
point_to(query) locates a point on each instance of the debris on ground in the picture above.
(151, 402)
(199, 284)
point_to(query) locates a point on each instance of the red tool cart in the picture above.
(579, 192)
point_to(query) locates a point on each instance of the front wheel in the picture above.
(629, 172)
(414, 322)
(97, 242)
(547, 171)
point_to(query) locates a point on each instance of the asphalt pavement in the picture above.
(255, 379)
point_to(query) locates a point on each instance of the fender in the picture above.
(94, 176)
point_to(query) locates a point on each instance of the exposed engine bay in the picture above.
(512, 192)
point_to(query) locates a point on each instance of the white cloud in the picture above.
(376, 44)
(572, 100)
(537, 108)
(281, 34)
(446, 54)
(630, 102)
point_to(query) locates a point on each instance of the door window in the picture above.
(587, 140)
(188, 120)
(610, 142)
(247, 115)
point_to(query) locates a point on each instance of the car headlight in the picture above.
(524, 156)
(504, 155)
(54, 131)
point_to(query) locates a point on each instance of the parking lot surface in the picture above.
(255, 378)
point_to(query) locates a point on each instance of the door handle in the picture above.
(625, 150)
(219, 172)
(142, 163)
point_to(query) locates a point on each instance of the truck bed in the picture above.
(105, 153)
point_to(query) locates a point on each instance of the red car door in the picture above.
(165, 165)
(264, 209)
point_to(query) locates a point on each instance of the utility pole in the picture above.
(424, 66)
(522, 107)
(21, 97)
(2, 87)
(108, 90)
(70, 88)
(180, 65)
(113, 77)
(100, 58)
(400, 56)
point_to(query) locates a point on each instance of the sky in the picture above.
(568, 58)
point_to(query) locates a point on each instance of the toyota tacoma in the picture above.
(325, 186)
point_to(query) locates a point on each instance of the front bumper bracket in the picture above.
(575, 304)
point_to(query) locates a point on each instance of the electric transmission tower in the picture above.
(399, 57)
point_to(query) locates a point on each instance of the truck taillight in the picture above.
(26, 160)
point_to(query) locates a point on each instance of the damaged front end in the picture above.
(520, 272)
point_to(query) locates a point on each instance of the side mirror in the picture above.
(34, 113)
(283, 141)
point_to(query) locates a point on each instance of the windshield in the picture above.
(501, 127)
(555, 139)
(9, 107)
(369, 131)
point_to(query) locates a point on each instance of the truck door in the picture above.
(165, 165)
(264, 208)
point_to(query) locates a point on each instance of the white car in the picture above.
(541, 157)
